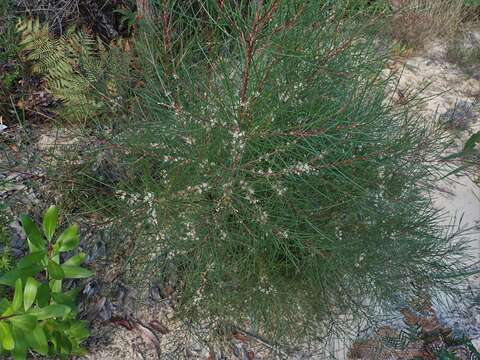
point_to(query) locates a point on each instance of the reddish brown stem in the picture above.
(258, 24)
(167, 39)
(144, 9)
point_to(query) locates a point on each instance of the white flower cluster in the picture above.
(279, 188)
(174, 159)
(265, 287)
(338, 232)
(174, 253)
(209, 119)
(249, 192)
(238, 141)
(195, 189)
(223, 234)
(205, 164)
(263, 217)
(149, 200)
(268, 172)
(121, 194)
(189, 140)
(199, 296)
(360, 259)
(190, 232)
(227, 189)
(136, 199)
(284, 97)
(301, 168)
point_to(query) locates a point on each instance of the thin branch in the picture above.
(262, 341)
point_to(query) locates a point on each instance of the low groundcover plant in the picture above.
(40, 315)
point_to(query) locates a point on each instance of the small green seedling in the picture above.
(38, 315)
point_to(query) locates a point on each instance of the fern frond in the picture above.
(72, 65)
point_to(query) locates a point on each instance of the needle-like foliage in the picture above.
(269, 170)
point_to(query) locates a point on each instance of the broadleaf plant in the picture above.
(39, 315)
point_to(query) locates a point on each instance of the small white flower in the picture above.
(2, 125)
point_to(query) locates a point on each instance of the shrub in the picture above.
(267, 171)
(40, 315)
(416, 21)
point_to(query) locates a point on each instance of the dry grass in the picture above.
(417, 21)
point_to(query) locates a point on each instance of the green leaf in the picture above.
(6, 336)
(64, 343)
(446, 355)
(66, 298)
(79, 330)
(38, 340)
(8, 311)
(471, 143)
(10, 277)
(54, 342)
(68, 240)
(31, 259)
(43, 295)
(50, 311)
(76, 272)
(50, 221)
(55, 271)
(468, 148)
(30, 292)
(55, 286)
(20, 351)
(35, 238)
(61, 325)
(75, 260)
(4, 305)
(25, 322)
(17, 295)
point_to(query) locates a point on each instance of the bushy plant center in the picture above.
(273, 173)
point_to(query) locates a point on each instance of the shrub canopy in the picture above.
(270, 171)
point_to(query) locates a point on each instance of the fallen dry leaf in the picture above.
(158, 326)
(123, 322)
(168, 290)
(409, 317)
(147, 335)
(239, 336)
